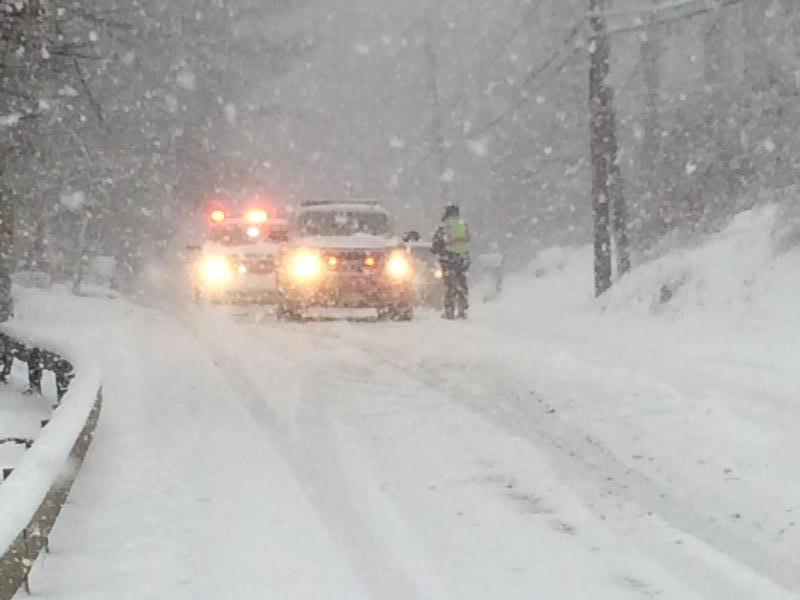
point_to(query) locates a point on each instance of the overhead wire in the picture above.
(536, 75)
(482, 74)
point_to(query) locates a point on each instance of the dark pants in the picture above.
(456, 288)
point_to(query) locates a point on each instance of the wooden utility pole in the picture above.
(600, 144)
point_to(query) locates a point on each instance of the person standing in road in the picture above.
(451, 243)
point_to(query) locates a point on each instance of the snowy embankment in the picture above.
(31, 496)
(688, 371)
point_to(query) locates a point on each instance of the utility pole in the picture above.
(439, 146)
(600, 126)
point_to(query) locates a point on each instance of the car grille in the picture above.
(258, 266)
(355, 261)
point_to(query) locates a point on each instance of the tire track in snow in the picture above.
(586, 459)
(321, 473)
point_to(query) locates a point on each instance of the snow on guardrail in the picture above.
(32, 496)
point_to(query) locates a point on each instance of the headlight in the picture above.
(257, 216)
(305, 265)
(216, 270)
(438, 273)
(398, 266)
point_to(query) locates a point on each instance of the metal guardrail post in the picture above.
(35, 370)
(18, 560)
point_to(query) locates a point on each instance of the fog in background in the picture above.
(121, 120)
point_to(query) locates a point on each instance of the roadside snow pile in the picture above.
(746, 275)
(749, 269)
(559, 277)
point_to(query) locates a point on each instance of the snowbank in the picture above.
(48, 461)
(744, 276)
(746, 268)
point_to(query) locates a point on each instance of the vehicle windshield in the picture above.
(342, 223)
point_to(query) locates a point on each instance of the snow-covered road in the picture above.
(242, 458)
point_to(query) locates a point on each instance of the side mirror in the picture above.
(411, 236)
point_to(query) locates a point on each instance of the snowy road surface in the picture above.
(506, 458)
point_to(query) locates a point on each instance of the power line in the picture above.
(533, 76)
(530, 78)
(718, 6)
(497, 56)
(652, 9)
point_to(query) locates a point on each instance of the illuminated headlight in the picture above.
(305, 265)
(253, 232)
(398, 266)
(216, 270)
(257, 216)
(438, 274)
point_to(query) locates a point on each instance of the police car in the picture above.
(238, 261)
(345, 255)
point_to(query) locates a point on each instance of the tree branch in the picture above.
(98, 110)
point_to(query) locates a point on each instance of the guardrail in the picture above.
(32, 495)
(38, 360)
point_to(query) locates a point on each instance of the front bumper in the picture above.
(349, 290)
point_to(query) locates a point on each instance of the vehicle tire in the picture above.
(404, 313)
(399, 312)
(288, 311)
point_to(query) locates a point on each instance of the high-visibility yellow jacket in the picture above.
(456, 236)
